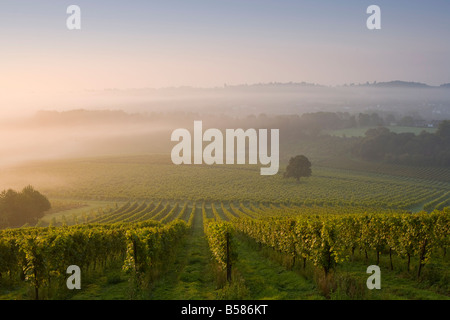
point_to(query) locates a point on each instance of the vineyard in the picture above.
(140, 228)
(154, 177)
(141, 238)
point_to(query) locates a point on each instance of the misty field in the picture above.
(194, 207)
(155, 177)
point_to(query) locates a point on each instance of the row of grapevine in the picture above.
(136, 215)
(215, 212)
(182, 212)
(172, 213)
(135, 212)
(444, 204)
(190, 221)
(40, 256)
(220, 241)
(162, 213)
(289, 210)
(441, 174)
(149, 248)
(438, 203)
(129, 213)
(328, 185)
(228, 215)
(219, 234)
(206, 221)
(326, 240)
(240, 211)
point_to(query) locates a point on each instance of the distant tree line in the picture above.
(380, 144)
(306, 133)
(20, 208)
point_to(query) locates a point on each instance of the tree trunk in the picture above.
(422, 257)
(134, 256)
(36, 286)
(328, 267)
(409, 260)
(390, 258)
(228, 258)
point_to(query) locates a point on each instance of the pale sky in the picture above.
(135, 44)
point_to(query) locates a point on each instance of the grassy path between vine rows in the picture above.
(190, 276)
(266, 279)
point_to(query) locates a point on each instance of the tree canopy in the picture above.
(299, 166)
(380, 144)
(19, 208)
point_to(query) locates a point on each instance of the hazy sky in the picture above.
(129, 44)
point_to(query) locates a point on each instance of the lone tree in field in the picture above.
(299, 166)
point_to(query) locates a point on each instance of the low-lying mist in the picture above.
(28, 140)
(140, 121)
